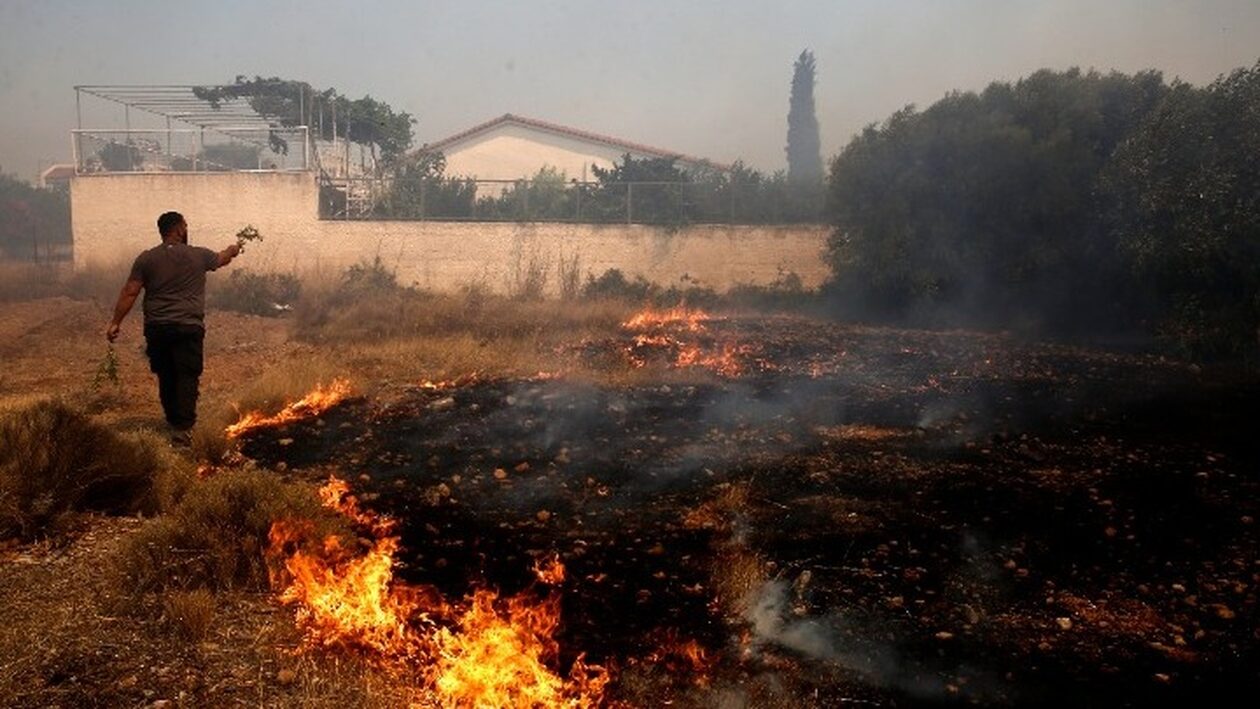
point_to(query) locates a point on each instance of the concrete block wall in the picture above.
(114, 218)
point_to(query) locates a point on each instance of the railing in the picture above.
(190, 150)
(721, 201)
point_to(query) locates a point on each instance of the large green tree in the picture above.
(804, 148)
(986, 209)
(1185, 190)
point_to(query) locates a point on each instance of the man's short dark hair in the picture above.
(168, 221)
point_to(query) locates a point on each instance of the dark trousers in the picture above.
(175, 353)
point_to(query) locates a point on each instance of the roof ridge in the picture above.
(629, 146)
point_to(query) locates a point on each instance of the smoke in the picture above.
(767, 613)
(849, 645)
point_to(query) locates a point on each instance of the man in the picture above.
(173, 277)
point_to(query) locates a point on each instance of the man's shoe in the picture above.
(181, 439)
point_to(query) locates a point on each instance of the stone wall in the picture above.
(114, 218)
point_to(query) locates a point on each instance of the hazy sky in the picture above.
(709, 79)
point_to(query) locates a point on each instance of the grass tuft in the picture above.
(56, 461)
(217, 536)
(189, 614)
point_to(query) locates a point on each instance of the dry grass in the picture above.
(742, 570)
(25, 281)
(328, 317)
(189, 614)
(217, 536)
(55, 461)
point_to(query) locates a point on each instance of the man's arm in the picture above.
(126, 299)
(226, 255)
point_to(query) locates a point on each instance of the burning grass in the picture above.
(56, 461)
(482, 651)
(315, 402)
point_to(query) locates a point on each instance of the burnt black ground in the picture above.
(954, 498)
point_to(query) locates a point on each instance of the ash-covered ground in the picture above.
(840, 514)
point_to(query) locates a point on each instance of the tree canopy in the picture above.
(31, 218)
(1070, 201)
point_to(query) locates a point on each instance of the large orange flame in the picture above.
(483, 652)
(346, 600)
(496, 658)
(313, 404)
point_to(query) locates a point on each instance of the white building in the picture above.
(513, 147)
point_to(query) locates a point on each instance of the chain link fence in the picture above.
(659, 203)
(190, 150)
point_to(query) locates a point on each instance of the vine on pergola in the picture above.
(286, 102)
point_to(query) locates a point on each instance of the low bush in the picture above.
(267, 294)
(613, 285)
(217, 536)
(56, 461)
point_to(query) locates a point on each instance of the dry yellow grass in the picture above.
(217, 536)
(26, 281)
(189, 613)
(56, 461)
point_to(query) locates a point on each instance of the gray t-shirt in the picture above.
(174, 278)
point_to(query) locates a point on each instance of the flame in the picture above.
(344, 600)
(725, 362)
(483, 652)
(444, 384)
(654, 341)
(677, 655)
(550, 571)
(313, 404)
(691, 319)
(726, 358)
(496, 659)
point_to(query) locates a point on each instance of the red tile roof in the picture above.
(628, 146)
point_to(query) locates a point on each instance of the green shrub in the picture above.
(269, 294)
(613, 285)
(368, 279)
(56, 461)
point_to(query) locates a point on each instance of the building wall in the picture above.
(114, 218)
(510, 152)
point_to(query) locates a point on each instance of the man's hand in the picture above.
(226, 255)
(126, 298)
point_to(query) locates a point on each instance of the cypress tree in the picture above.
(804, 149)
